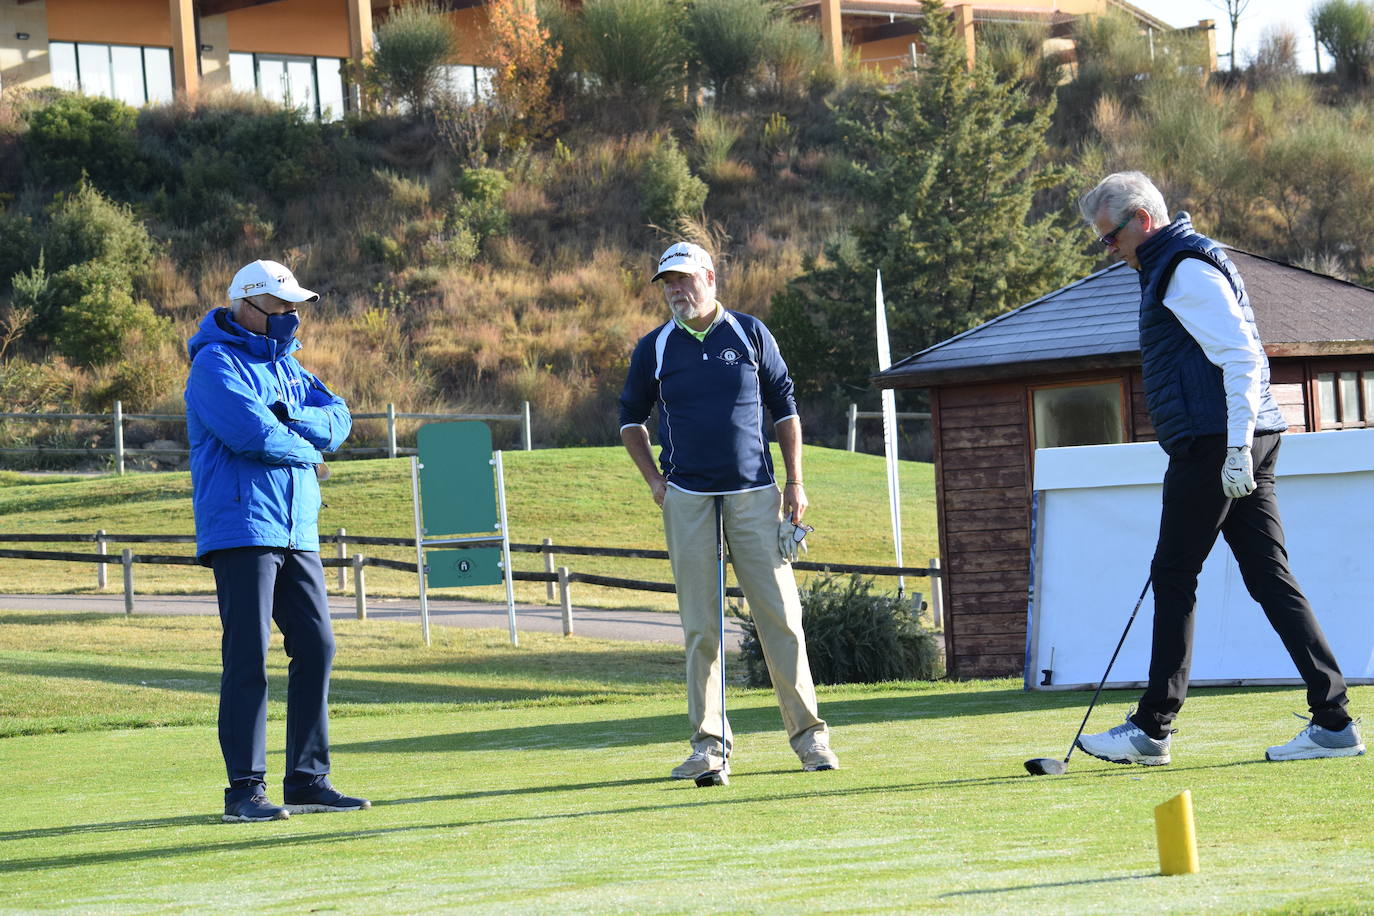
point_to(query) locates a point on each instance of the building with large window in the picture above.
(293, 51)
(141, 51)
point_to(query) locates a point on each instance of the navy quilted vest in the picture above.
(1183, 389)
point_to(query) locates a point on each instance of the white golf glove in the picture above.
(792, 539)
(1238, 473)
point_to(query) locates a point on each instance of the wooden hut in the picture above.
(1065, 370)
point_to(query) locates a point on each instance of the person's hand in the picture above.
(1238, 473)
(322, 471)
(792, 539)
(658, 487)
(794, 502)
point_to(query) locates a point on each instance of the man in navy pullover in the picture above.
(257, 424)
(712, 373)
(1206, 381)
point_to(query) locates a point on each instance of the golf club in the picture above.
(1049, 766)
(719, 777)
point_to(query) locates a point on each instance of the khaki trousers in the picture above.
(751, 533)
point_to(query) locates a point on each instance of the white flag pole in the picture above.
(894, 492)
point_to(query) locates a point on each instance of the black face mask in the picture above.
(281, 327)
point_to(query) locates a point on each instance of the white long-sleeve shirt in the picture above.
(1200, 297)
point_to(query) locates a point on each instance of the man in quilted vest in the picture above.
(1206, 381)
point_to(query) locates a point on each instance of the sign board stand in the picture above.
(451, 486)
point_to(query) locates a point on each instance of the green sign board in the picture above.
(468, 566)
(457, 481)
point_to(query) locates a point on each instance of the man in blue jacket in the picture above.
(712, 372)
(1206, 381)
(257, 424)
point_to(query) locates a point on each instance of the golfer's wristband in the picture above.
(793, 482)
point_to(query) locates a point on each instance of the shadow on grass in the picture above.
(260, 841)
(1038, 887)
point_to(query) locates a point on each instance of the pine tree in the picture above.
(951, 162)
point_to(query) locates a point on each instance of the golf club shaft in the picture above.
(720, 607)
(1119, 643)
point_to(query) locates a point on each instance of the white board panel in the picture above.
(1097, 518)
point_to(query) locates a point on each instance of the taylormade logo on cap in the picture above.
(685, 258)
(263, 277)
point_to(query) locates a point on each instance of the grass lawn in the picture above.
(576, 496)
(533, 780)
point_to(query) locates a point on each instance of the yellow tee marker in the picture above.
(1176, 835)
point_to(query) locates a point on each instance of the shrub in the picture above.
(18, 245)
(713, 136)
(727, 38)
(631, 48)
(524, 56)
(415, 41)
(481, 201)
(668, 189)
(141, 381)
(1346, 29)
(98, 320)
(78, 134)
(794, 55)
(854, 636)
(88, 226)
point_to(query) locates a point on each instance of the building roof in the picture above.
(1092, 324)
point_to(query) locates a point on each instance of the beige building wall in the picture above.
(214, 63)
(24, 62)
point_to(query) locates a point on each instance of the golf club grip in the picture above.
(1117, 651)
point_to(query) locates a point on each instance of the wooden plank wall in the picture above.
(982, 476)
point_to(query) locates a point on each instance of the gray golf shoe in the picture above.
(1126, 743)
(699, 763)
(818, 756)
(1314, 742)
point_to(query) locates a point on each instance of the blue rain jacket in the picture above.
(253, 475)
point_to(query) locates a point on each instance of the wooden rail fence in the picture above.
(343, 562)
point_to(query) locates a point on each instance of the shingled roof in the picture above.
(1091, 324)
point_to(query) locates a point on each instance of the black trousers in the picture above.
(257, 585)
(1195, 511)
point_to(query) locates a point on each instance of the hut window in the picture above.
(1346, 399)
(1087, 414)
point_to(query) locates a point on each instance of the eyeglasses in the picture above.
(1109, 240)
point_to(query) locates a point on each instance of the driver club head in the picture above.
(713, 778)
(1046, 766)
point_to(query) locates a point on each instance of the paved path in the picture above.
(644, 626)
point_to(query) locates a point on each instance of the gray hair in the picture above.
(1122, 193)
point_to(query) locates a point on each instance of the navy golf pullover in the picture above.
(711, 396)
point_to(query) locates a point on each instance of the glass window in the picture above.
(93, 66)
(329, 72)
(1078, 415)
(63, 57)
(241, 75)
(300, 85)
(157, 74)
(1326, 394)
(1350, 397)
(272, 79)
(126, 69)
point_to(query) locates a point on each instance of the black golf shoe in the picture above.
(322, 798)
(254, 808)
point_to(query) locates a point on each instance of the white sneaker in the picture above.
(700, 762)
(1127, 744)
(818, 757)
(1314, 741)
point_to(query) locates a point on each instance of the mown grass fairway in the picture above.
(532, 780)
(580, 496)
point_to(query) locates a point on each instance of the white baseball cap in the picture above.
(268, 277)
(683, 257)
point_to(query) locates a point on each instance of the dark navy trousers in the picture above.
(257, 585)
(1195, 512)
